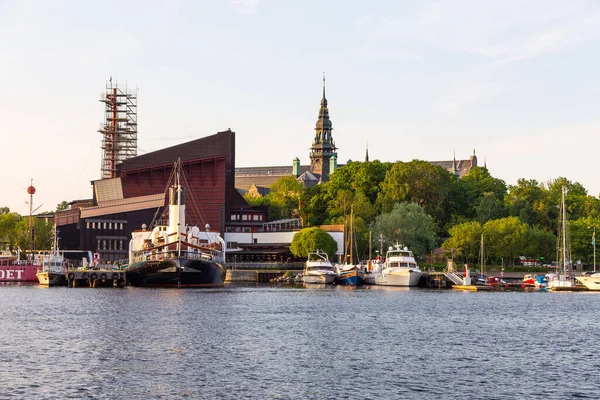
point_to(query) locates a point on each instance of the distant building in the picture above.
(459, 168)
(323, 161)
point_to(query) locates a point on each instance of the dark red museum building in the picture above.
(137, 196)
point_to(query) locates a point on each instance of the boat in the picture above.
(176, 255)
(53, 272)
(348, 273)
(534, 281)
(399, 268)
(318, 268)
(564, 278)
(371, 269)
(592, 282)
(15, 270)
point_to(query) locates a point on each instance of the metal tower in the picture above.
(119, 130)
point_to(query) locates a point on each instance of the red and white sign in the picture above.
(96, 256)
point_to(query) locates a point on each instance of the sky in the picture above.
(514, 81)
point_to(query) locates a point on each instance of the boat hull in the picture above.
(408, 278)
(177, 272)
(51, 279)
(349, 278)
(19, 273)
(318, 278)
(590, 282)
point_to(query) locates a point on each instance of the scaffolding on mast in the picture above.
(119, 130)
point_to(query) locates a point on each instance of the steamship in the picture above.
(176, 255)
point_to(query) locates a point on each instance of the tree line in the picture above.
(423, 206)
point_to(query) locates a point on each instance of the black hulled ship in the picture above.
(176, 255)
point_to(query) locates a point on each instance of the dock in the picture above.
(96, 278)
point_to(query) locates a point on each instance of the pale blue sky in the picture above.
(514, 80)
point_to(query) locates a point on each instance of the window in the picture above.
(255, 217)
(121, 226)
(110, 225)
(87, 225)
(244, 217)
(93, 225)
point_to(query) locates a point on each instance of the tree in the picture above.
(479, 181)
(506, 237)
(63, 205)
(409, 225)
(490, 207)
(418, 182)
(311, 239)
(465, 239)
(284, 198)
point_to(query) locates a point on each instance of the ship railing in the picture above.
(171, 254)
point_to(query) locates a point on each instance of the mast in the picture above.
(351, 233)
(481, 255)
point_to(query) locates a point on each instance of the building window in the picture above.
(255, 217)
(93, 225)
(234, 217)
(104, 244)
(87, 225)
(98, 246)
(244, 217)
(120, 245)
(110, 225)
(104, 225)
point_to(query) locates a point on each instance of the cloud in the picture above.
(245, 6)
(499, 32)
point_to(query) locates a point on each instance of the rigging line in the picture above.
(196, 204)
(171, 179)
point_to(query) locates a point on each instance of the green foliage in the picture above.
(284, 198)
(465, 239)
(408, 225)
(418, 182)
(63, 205)
(490, 207)
(311, 239)
(504, 238)
(581, 231)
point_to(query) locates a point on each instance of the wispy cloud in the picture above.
(500, 32)
(245, 6)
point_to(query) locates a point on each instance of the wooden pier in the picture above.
(96, 278)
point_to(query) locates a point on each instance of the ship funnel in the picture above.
(173, 195)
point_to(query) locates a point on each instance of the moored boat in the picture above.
(592, 282)
(399, 268)
(349, 275)
(176, 255)
(53, 272)
(14, 270)
(533, 281)
(318, 268)
(565, 277)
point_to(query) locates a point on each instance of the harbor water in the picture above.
(265, 342)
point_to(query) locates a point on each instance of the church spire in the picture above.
(323, 146)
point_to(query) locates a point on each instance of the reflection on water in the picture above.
(299, 342)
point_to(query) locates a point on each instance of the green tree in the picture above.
(284, 198)
(63, 205)
(478, 182)
(490, 207)
(311, 239)
(581, 231)
(408, 225)
(506, 238)
(418, 182)
(539, 243)
(465, 239)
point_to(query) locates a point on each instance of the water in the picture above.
(262, 342)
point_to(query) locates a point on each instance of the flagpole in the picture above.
(594, 242)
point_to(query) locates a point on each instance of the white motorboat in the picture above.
(318, 268)
(399, 268)
(592, 282)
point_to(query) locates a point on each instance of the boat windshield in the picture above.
(320, 268)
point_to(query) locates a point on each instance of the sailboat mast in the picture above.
(351, 233)
(564, 232)
(481, 255)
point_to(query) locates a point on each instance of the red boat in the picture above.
(14, 270)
